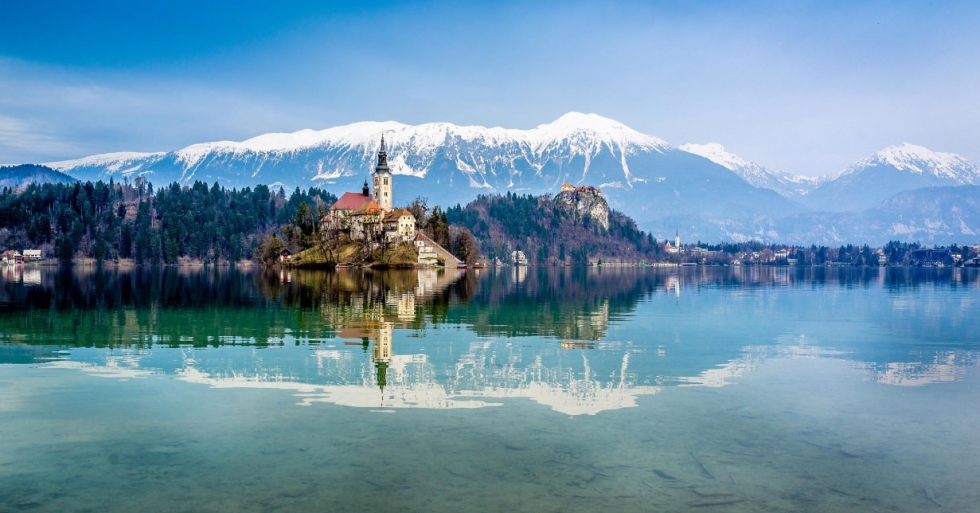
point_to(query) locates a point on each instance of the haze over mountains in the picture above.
(788, 185)
(702, 191)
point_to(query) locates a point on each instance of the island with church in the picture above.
(366, 229)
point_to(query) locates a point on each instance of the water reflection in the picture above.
(578, 340)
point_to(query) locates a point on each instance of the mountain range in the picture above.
(702, 191)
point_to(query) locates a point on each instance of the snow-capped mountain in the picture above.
(640, 175)
(921, 161)
(788, 185)
(906, 167)
(702, 191)
(481, 154)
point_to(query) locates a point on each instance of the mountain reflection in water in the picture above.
(579, 340)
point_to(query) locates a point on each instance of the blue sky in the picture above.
(804, 87)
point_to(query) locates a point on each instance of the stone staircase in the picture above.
(427, 247)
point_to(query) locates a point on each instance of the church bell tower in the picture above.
(382, 180)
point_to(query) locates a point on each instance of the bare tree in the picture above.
(463, 244)
(419, 208)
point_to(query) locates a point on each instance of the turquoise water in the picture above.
(775, 389)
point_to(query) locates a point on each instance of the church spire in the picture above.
(382, 179)
(382, 155)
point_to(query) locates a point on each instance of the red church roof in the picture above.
(370, 208)
(350, 201)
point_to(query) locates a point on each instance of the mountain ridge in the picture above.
(788, 185)
(641, 174)
(890, 171)
(703, 189)
(25, 174)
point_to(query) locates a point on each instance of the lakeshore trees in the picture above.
(105, 221)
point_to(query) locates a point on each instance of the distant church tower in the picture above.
(382, 180)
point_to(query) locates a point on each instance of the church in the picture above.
(369, 215)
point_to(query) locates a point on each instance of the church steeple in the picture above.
(382, 156)
(382, 180)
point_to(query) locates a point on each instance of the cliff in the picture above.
(574, 227)
(585, 202)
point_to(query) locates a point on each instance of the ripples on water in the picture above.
(753, 389)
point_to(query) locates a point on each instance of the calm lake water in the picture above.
(772, 389)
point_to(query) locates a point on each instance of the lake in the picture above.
(568, 389)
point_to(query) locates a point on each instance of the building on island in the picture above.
(369, 215)
(382, 180)
(399, 224)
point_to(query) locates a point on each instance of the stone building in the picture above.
(369, 215)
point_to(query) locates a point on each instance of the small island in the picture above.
(365, 229)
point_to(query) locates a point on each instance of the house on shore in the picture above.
(11, 257)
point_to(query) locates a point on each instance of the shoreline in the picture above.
(128, 263)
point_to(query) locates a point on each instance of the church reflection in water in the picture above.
(578, 341)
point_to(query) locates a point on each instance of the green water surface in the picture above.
(773, 389)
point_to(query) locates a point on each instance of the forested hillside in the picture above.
(550, 230)
(107, 221)
(19, 176)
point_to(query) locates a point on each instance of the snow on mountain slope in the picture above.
(790, 186)
(704, 191)
(483, 157)
(906, 167)
(584, 132)
(640, 174)
(112, 162)
(918, 160)
(716, 153)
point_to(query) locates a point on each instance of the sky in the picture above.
(802, 87)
